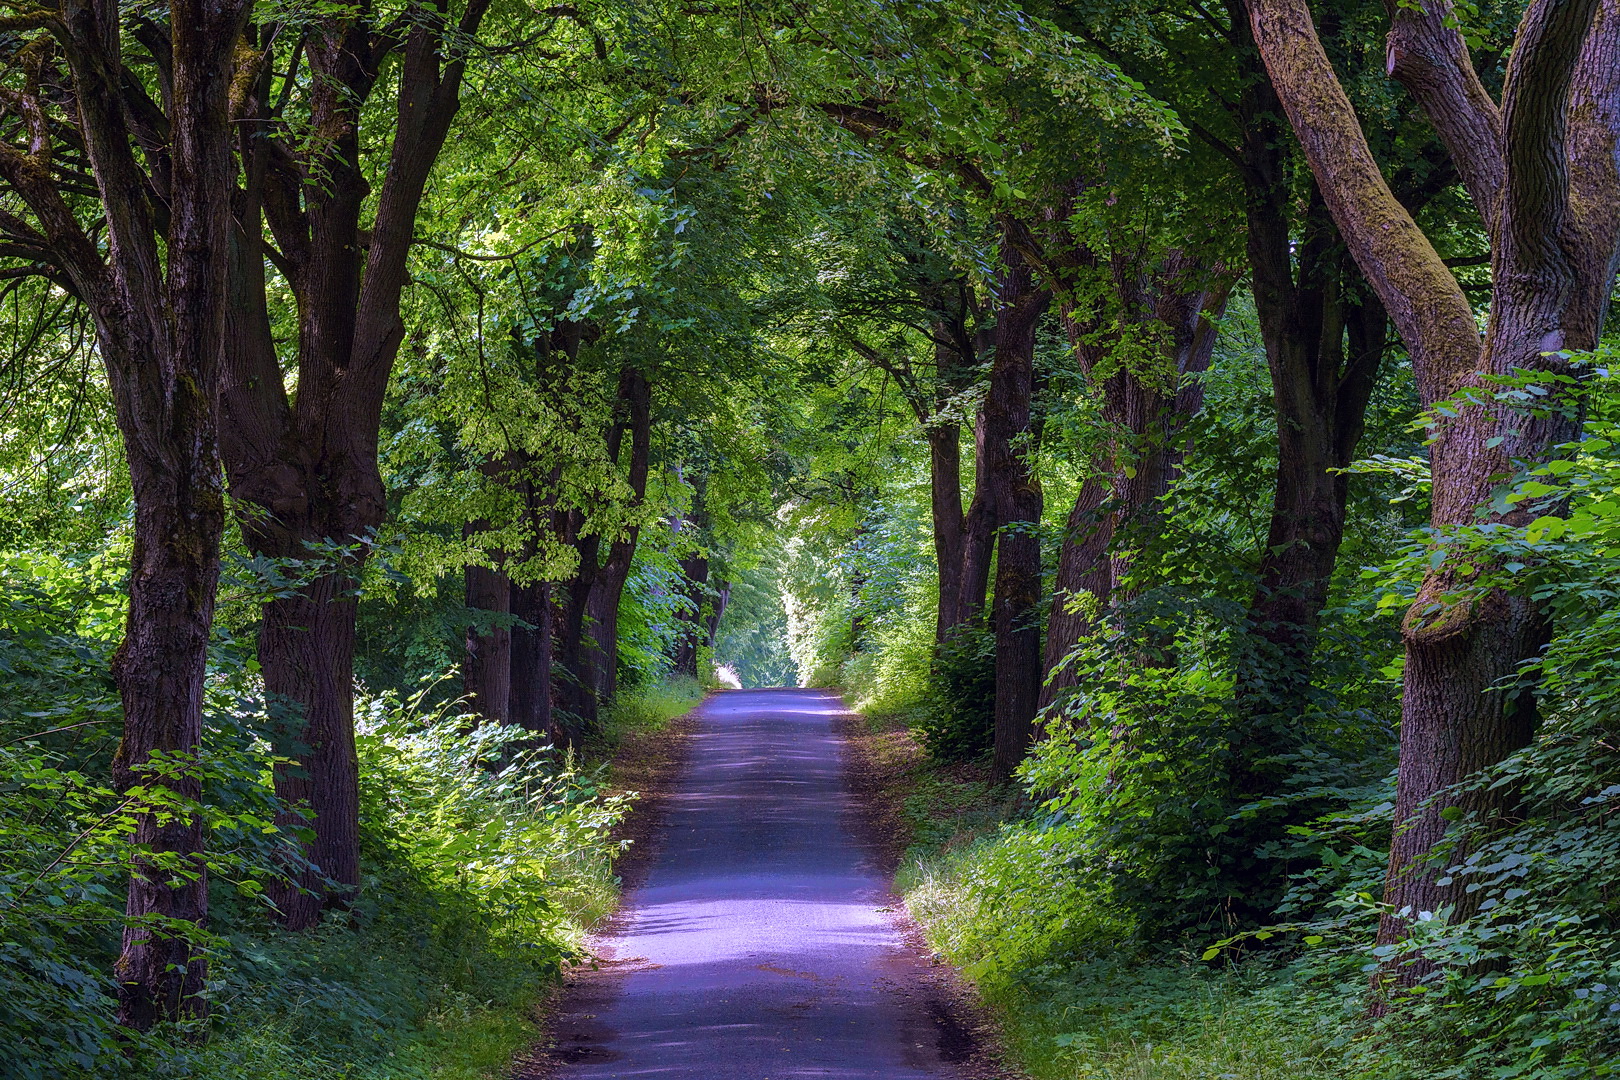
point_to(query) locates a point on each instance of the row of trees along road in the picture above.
(578, 309)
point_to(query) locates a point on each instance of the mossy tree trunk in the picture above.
(1549, 196)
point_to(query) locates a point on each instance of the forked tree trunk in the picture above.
(156, 292)
(1324, 340)
(303, 470)
(1551, 204)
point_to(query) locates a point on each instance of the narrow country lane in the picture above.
(759, 946)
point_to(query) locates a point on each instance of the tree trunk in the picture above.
(1081, 588)
(945, 487)
(695, 571)
(635, 399)
(159, 668)
(487, 677)
(1145, 412)
(722, 599)
(306, 649)
(574, 656)
(1008, 484)
(157, 296)
(1309, 299)
(530, 701)
(303, 471)
(978, 530)
(1555, 237)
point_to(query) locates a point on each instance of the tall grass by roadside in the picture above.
(1005, 899)
(646, 708)
(1076, 1001)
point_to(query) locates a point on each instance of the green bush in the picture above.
(957, 722)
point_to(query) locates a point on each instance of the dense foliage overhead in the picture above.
(1192, 424)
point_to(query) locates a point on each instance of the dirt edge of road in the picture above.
(877, 766)
(648, 763)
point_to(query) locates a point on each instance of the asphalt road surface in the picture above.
(760, 946)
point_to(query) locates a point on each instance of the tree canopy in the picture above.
(1193, 422)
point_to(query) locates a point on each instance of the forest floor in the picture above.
(760, 934)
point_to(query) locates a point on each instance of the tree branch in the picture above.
(1420, 293)
(1430, 59)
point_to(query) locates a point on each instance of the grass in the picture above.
(1001, 897)
(645, 710)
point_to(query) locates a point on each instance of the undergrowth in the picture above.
(481, 954)
(1000, 897)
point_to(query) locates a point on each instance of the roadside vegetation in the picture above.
(489, 857)
(1197, 421)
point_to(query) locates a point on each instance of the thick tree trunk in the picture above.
(487, 674)
(1081, 587)
(179, 521)
(1009, 484)
(1321, 403)
(1309, 300)
(1555, 235)
(306, 649)
(303, 470)
(530, 701)
(157, 297)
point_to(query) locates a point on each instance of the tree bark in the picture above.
(635, 400)
(1309, 299)
(1555, 235)
(950, 530)
(530, 701)
(695, 571)
(306, 650)
(487, 676)
(1145, 411)
(304, 471)
(1009, 492)
(574, 657)
(1081, 587)
(153, 279)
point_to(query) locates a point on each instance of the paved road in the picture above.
(759, 946)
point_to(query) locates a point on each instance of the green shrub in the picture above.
(957, 722)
